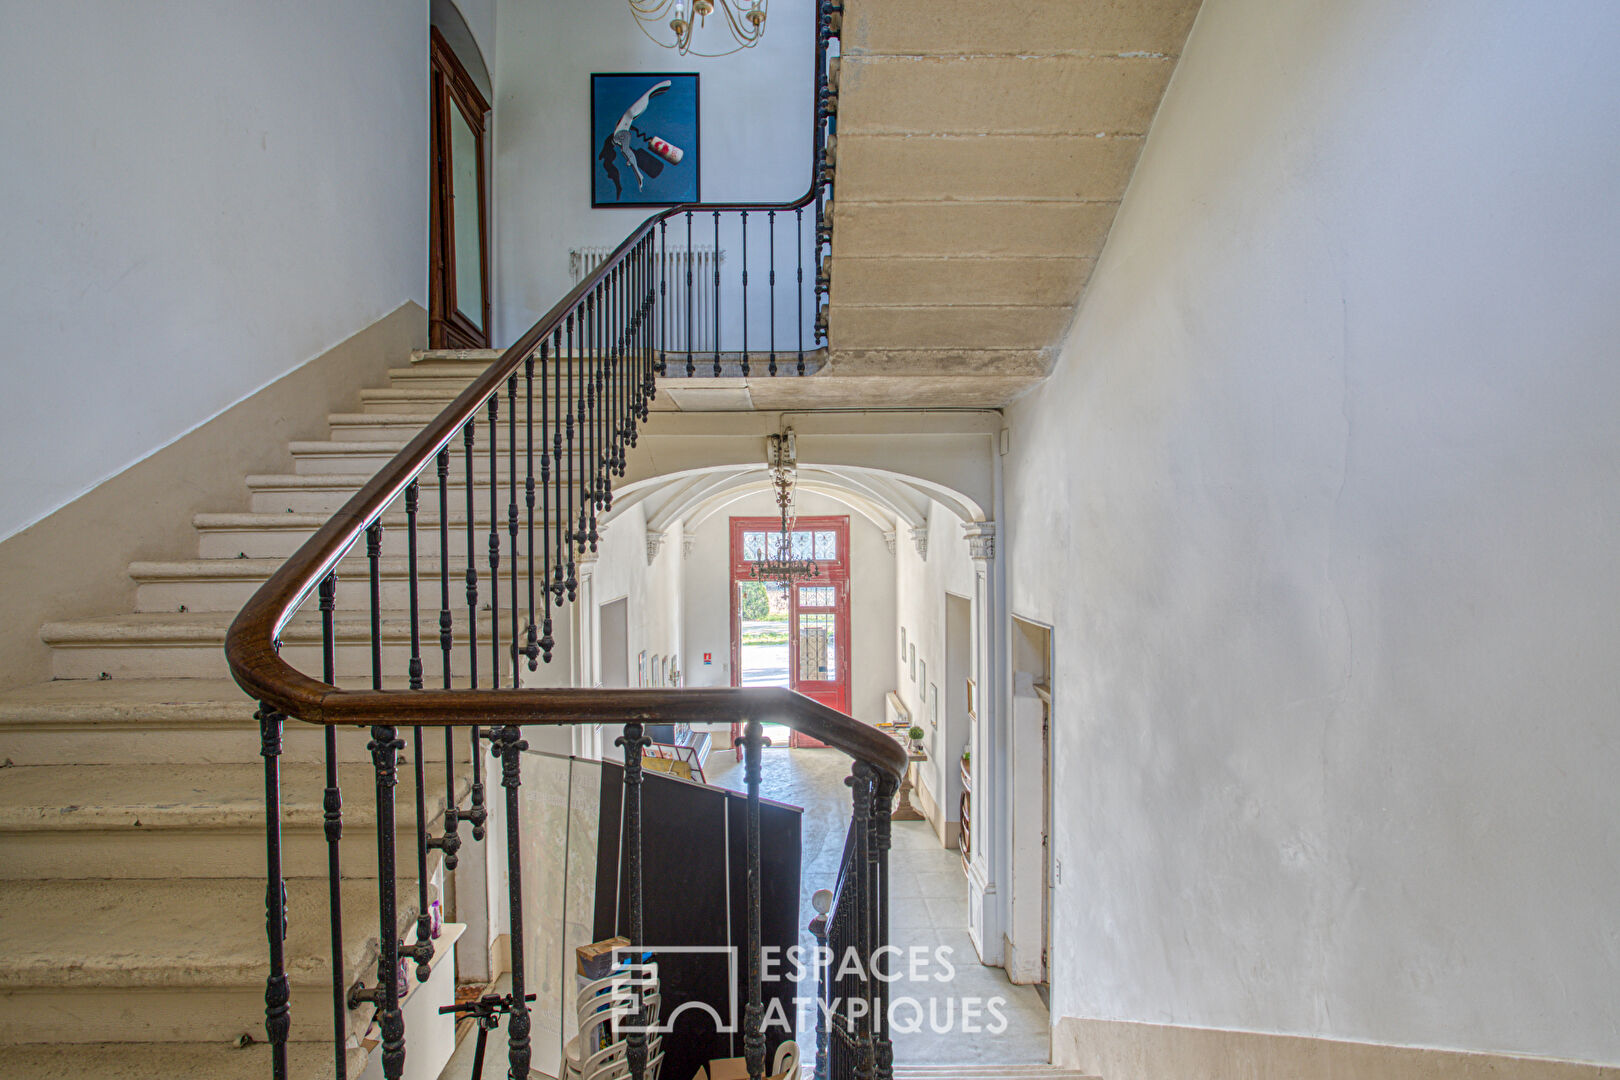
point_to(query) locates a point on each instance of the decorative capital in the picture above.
(981, 538)
(919, 539)
(655, 542)
(688, 542)
(888, 540)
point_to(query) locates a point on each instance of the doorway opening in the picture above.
(797, 635)
(1032, 800)
(458, 217)
(614, 633)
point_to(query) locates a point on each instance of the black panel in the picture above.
(685, 871)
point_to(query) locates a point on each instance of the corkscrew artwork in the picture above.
(644, 158)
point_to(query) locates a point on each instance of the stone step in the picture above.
(163, 721)
(276, 536)
(169, 1061)
(190, 645)
(172, 961)
(315, 458)
(196, 821)
(325, 493)
(224, 585)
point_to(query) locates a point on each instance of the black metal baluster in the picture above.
(277, 993)
(572, 582)
(717, 294)
(450, 841)
(532, 648)
(565, 511)
(468, 436)
(476, 813)
(512, 515)
(332, 819)
(422, 950)
(634, 741)
(771, 220)
(548, 454)
(385, 746)
(745, 293)
(691, 368)
(798, 214)
(494, 541)
(663, 296)
(587, 429)
(507, 745)
(882, 1045)
(861, 785)
(754, 1012)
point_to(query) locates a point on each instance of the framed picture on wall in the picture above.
(922, 676)
(933, 705)
(911, 663)
(641, 668)
(644, 139)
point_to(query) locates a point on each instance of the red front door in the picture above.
(794, 636)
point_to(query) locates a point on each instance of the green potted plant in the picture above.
(916, 734)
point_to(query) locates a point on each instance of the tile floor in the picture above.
(927, 910)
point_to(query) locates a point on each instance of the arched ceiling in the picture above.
(890, 501)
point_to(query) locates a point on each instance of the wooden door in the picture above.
(458, 218)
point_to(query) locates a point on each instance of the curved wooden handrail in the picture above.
(250, 644)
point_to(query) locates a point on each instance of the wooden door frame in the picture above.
(453, 88)
(836, 572)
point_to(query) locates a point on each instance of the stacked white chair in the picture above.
(598, 1052)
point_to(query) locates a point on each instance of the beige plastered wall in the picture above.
(74, 563)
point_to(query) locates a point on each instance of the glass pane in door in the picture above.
(464, 218)
(818, 646)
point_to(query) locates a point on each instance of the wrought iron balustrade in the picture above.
(530, 452)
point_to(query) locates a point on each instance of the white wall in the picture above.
(199, 198)
(920, 591)
(1322, 502)
(654, 592)
(755, 114)
(873, 636)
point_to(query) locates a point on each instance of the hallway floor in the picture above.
(927, 909)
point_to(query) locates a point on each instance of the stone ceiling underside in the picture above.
(982, 151)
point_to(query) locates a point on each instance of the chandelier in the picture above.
(746, 23)
(783, 566)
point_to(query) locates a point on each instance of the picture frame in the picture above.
(641, 669)
(972, 706)
(646, 139)
(922, 678)
(933, 706)
(912, 662)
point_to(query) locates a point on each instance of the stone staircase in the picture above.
(132, 938)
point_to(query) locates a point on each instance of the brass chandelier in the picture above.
(746, 23)
(783, 566)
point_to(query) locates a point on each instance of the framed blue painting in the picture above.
(644, 139)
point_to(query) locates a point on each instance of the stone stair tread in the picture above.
(310, 480)
(164, 1061)
(88, 703)
(258, 569)
(246, 519)
(205, 796)
(203, 626)
(181, 934)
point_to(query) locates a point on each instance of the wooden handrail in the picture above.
(251, 643)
